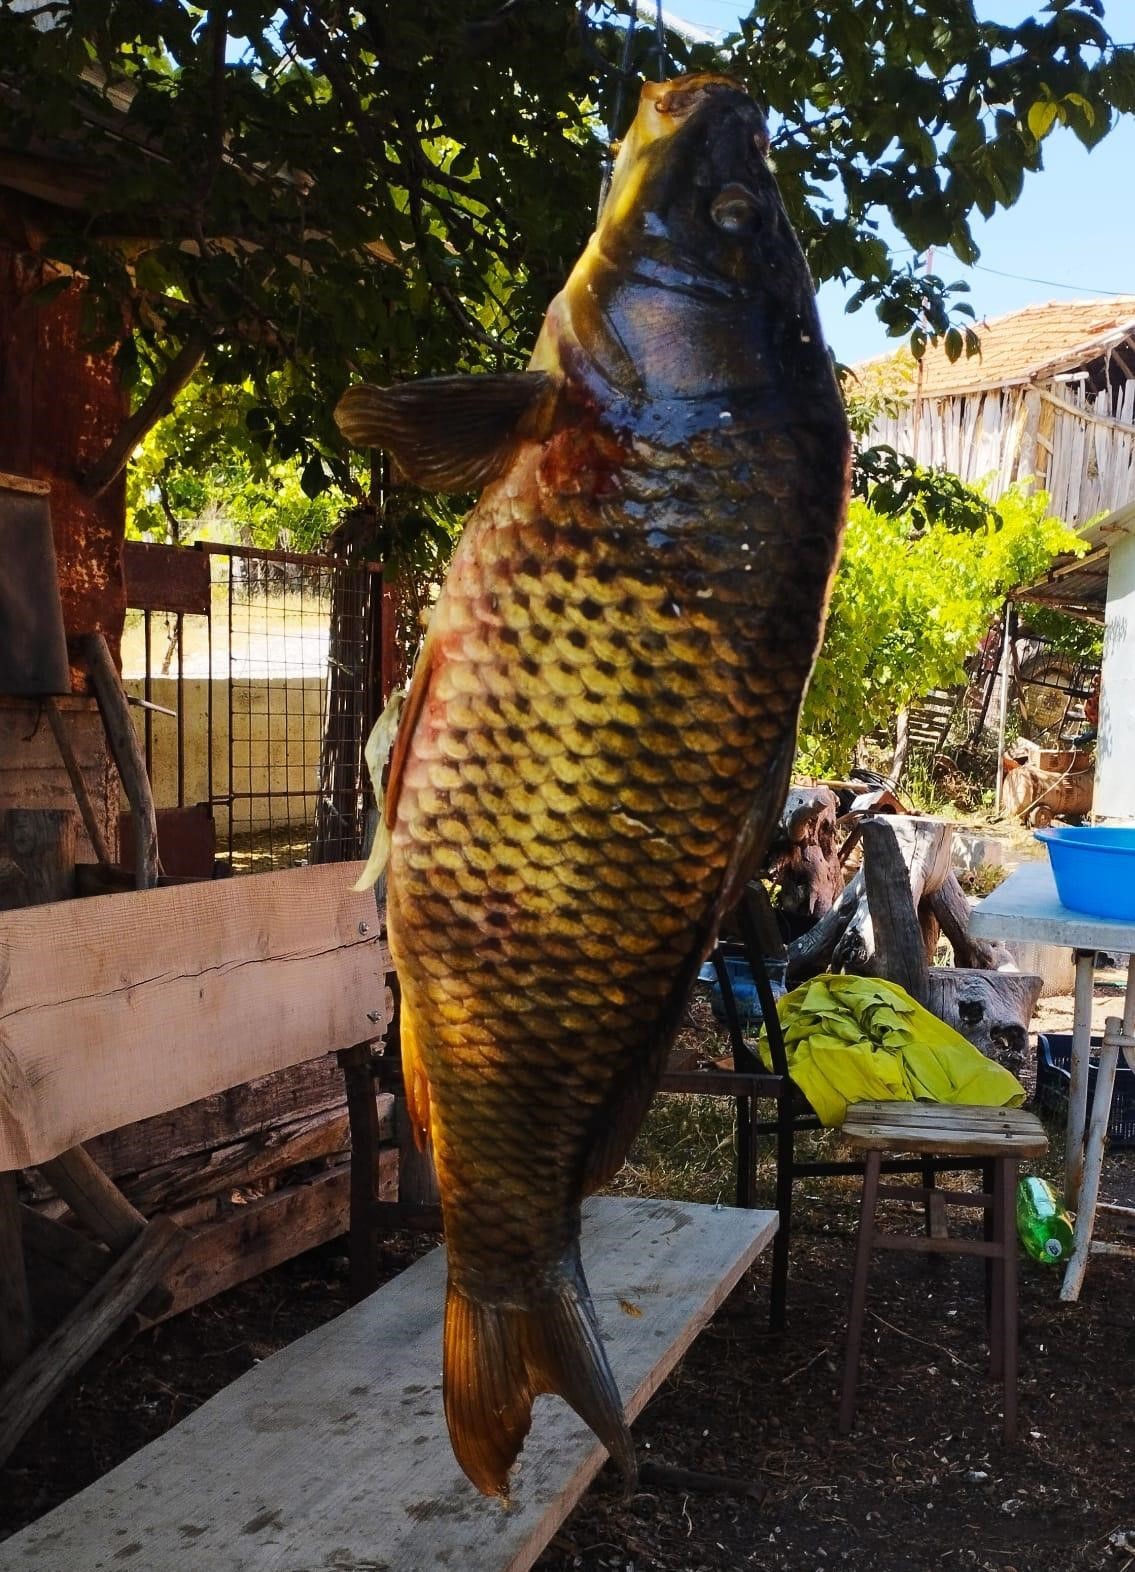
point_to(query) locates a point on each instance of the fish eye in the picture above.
(733, 209)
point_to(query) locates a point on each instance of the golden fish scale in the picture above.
(602, 712)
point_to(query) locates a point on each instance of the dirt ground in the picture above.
(924, 1481)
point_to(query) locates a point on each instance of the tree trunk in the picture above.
(894, 886)
(950, 907)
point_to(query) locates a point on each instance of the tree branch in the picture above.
(146, 416)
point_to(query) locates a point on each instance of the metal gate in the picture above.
(259, 675)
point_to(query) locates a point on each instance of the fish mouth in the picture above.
(665, 108)
(677, 99)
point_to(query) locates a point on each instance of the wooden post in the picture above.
(124, 1285)
(899, 951)
(362, 1110)
(15, 1314)
(128, 755)
(42, 842)
(94, 1198)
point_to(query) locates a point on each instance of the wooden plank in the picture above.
(241, 1162)
(300, 1090)
(94, 1199)
(250, 1239)
(64, 1352)
(156, 998)
(945, 1128)
(166, 578)
(334, 1451)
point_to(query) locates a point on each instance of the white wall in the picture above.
(1115, 749)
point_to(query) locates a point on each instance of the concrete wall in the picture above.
(277, 727)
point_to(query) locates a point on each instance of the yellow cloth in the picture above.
(862, 1039)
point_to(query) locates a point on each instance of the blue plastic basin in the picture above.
(1094, 868)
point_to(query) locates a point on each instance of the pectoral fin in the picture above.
(447, 433)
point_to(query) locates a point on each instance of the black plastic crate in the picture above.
(1054, 1077)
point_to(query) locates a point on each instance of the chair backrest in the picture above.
(754, 918)
(122, 1006)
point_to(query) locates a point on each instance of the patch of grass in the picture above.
(984, 880)
(686, 1150)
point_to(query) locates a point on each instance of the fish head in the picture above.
(693, 283)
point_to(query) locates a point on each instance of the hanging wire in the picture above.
(663, 54)
(616, 119)
(664, 67)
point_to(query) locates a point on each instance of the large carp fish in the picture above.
(599, 731)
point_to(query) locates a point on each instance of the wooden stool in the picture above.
(991, 1140)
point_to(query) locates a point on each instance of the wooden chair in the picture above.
(990, 1140)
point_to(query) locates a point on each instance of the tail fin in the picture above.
(498, 1358)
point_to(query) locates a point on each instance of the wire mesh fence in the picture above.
(256, 712)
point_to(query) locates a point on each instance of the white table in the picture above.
(1026, 907)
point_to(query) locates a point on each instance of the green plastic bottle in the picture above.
(1043, 1226)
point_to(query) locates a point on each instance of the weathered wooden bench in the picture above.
(125, 1007)
(333, 1452)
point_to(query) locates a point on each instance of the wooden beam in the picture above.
(128, 755)
(94, 1199)
(1084, 413)
(242, 1162)
(78, 784)
(251, 1239)
(64, 1352)
(254, 1108)
(156, 998)
(15, 1307)
(362, 1107)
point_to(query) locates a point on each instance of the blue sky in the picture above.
(1071, 236)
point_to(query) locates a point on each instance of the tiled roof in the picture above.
(1018, 347)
